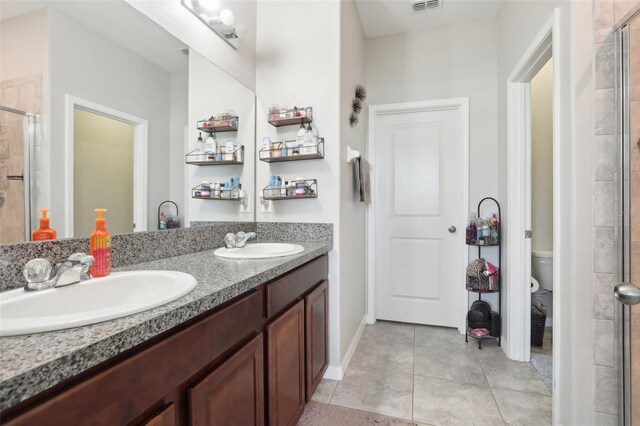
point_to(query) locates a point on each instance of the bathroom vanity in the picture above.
(255, 358)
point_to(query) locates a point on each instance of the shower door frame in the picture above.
(623, 312)
(29, 122)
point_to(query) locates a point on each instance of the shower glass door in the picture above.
(17, 133)
(628, 293)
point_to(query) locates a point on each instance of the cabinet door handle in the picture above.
(452, 229)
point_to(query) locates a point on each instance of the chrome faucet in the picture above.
(238, 240)
(38, 272)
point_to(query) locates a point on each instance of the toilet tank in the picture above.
(542, 268)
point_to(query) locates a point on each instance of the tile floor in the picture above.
(403, 374)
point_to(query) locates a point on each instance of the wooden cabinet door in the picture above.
(166, 417)
(233, 393)
(316, 330)
(285, 367)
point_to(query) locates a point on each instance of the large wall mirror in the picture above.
(99, 107)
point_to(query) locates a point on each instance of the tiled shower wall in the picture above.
(607, 396)
(24, 94)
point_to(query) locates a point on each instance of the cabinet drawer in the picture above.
(119, 394)
(284, 291)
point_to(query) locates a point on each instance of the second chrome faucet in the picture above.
(238, 240)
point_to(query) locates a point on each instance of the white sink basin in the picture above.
(260, 251)
(98, 299)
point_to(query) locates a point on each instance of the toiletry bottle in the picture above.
(210, 146)
(200, 148)
(494, 228)
(301, 186)
(310, 141)
(479, 239)
(301, 134)
(486, 231)
(205, 190)
(266, 147)
(237, 149)
(229, 151)
(44, 232)
(100, 247)
(283, 189)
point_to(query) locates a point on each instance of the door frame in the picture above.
(462, 105)
(140, 153)
(548, 43)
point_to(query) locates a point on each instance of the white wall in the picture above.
(179, 109)
(298, 64)
(176, 19)
(212, 91)
(89, 66)
(352, 212)
(24, 45)
(542, 158)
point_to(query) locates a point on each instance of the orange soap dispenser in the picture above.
(44, 232)
(100, 247)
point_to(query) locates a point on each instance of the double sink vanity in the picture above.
(196, 339)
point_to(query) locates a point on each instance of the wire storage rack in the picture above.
(493, 287)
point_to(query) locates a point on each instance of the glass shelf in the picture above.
(225, 123)
(274, 194)
(286, 151)
(218, 159)
(279, 117)
(226, 194)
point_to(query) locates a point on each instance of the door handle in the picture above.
(452, 229)
(627, 293)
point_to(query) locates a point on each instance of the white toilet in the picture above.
(542, 268)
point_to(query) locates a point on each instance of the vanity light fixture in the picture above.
(220, 20)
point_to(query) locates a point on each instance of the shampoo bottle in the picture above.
(100, 247)
(44, 232)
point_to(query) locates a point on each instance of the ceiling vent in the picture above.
(420, 5)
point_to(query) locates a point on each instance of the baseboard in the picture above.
(337, 372)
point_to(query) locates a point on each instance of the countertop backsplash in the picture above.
(139, 247)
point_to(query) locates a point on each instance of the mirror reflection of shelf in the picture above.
(292, 151)
(208, 192)
(217, 159)
(287, 117)
(220, 124)
(306, 189)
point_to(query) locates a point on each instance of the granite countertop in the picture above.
(33, 363)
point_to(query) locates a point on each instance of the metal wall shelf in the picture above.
(226, 194)
(289, 117)
(200, 159)
(219, 124)
(284, 151)
(276, 193)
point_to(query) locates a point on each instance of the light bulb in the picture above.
(227, 17)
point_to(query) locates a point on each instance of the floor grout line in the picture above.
(493, 395)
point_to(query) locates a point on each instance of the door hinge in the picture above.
(528, 233)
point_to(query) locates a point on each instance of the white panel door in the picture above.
(418, 160)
